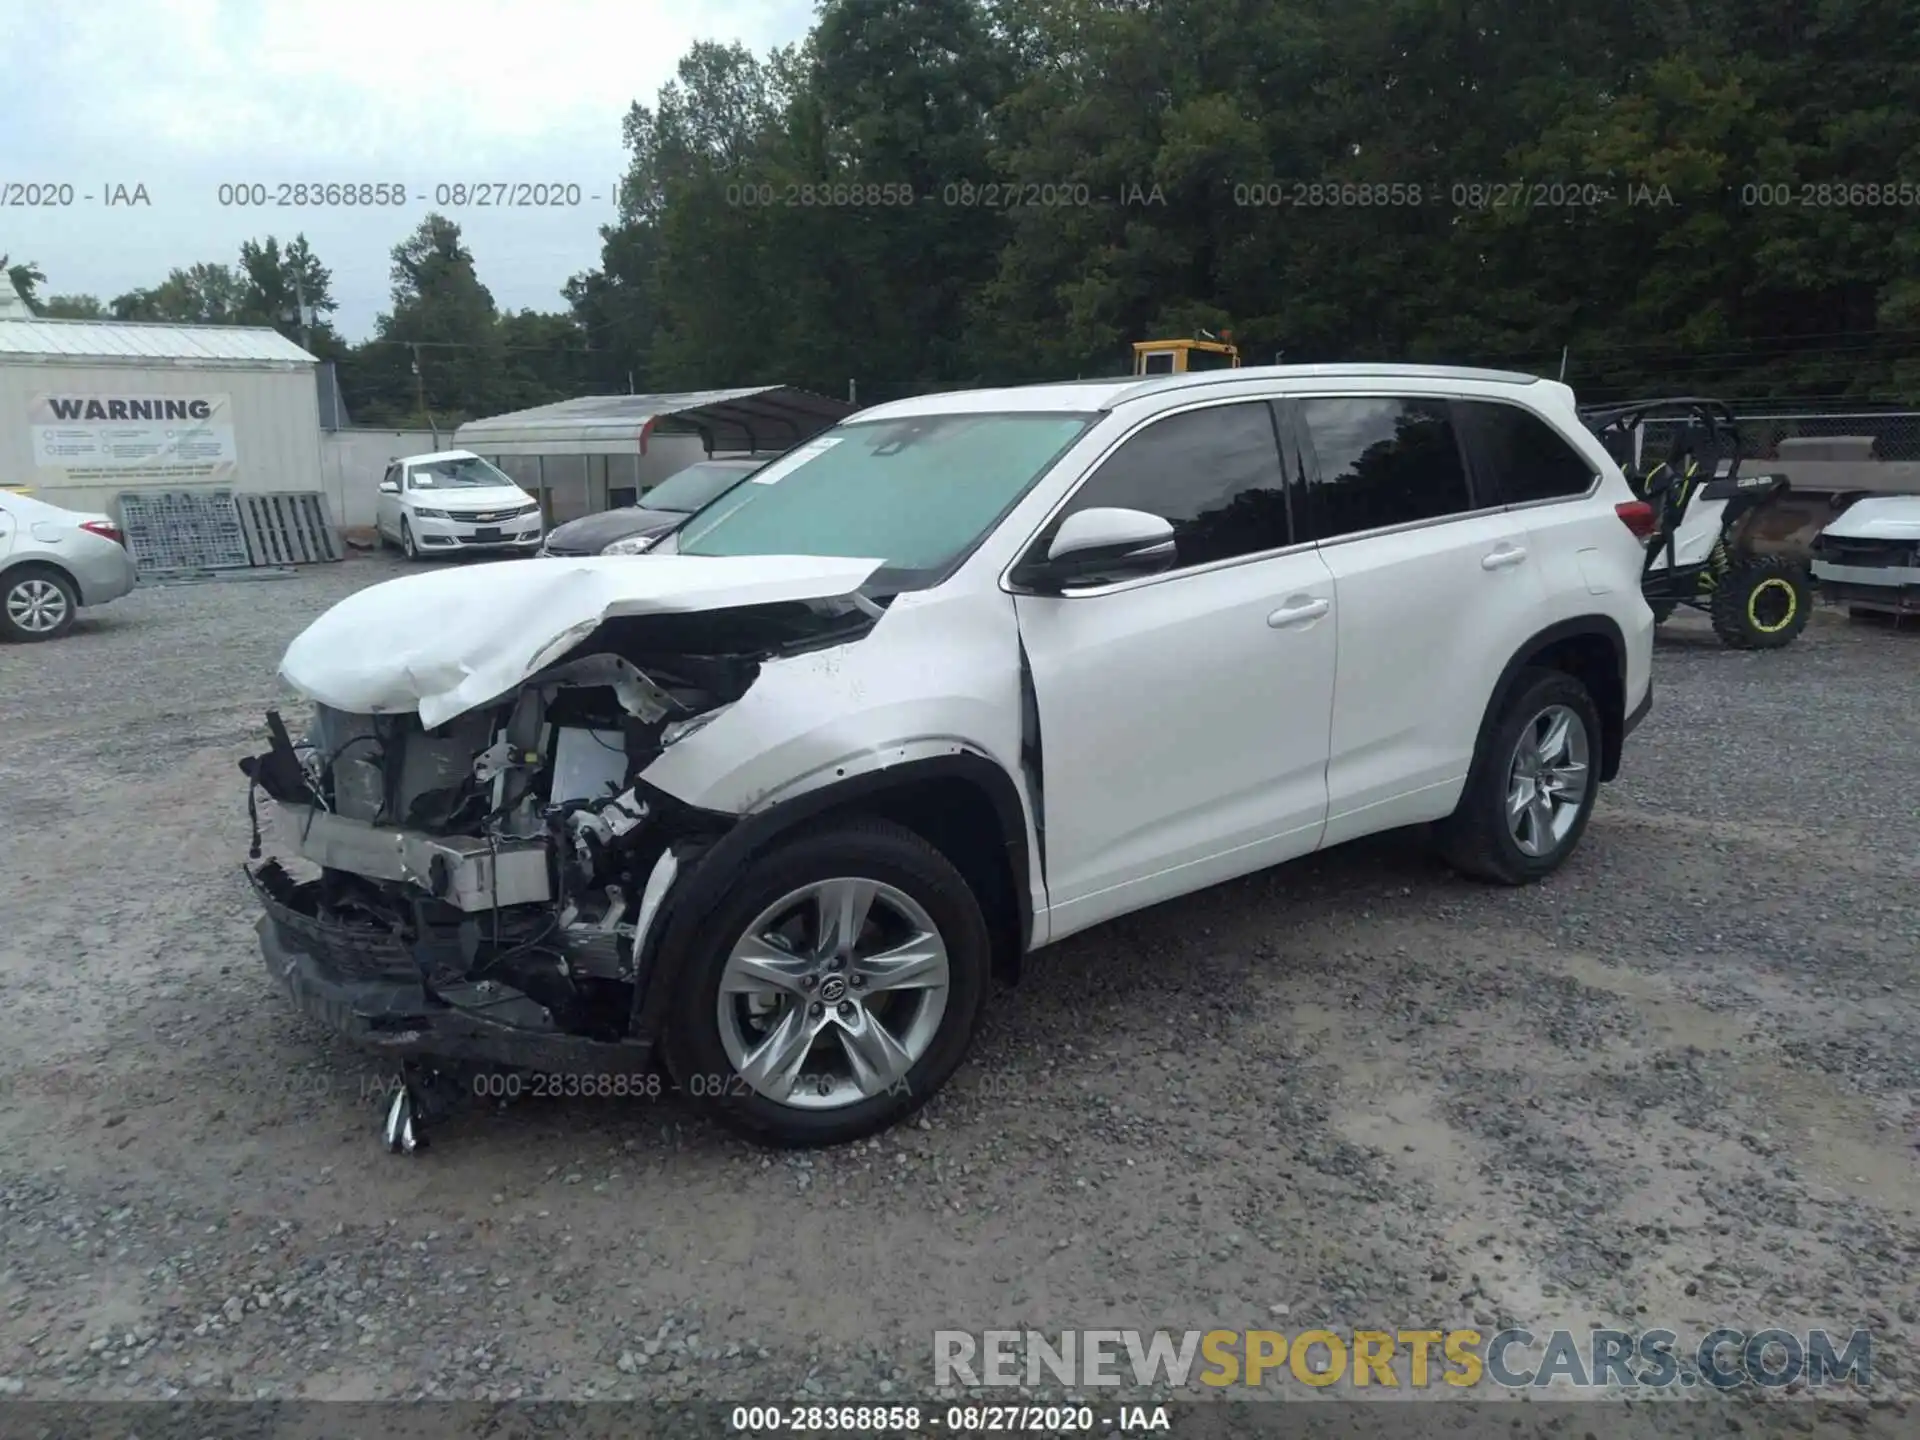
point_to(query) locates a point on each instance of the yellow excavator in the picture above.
(1180, 357)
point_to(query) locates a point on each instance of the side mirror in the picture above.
(1101, 544)
(389, 487)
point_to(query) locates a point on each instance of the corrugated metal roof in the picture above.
(757, 418)
(125, 340)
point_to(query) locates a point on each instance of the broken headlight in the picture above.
(681, 729)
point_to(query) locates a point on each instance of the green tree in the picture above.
(438, 354)
(26, 278)
(203, 294)
(73, 307)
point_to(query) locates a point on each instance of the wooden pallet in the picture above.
(288, 529)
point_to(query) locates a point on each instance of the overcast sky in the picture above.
(182, 96)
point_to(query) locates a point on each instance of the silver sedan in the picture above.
(52, 562)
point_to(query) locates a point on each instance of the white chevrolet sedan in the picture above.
(452, 501)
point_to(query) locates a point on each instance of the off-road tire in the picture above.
(21, 576)
(1761, 603)
(1476, 840)
(868, 848)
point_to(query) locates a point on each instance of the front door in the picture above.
(386, 515)
(1183, 717)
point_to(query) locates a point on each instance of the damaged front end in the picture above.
(490, 889)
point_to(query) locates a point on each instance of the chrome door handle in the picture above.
(1300, 614)
(1504, 558)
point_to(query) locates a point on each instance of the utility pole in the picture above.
(853, 391)
(420, 391)
(304, 315)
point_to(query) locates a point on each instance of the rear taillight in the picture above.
(1637, 516)
(104, 531)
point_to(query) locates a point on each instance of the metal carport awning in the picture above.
(768, 417)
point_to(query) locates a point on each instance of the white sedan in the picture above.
(52, 562)
(452, 501)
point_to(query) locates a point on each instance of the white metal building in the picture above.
(92, 408)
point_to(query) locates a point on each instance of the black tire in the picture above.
(31, 591)
(1476, 839)
(407, 547)
(1662, 610)
(871, 849)
(1761, 603)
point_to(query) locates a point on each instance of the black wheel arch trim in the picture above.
(1581, 626)
(713, 848)
(1639, 712)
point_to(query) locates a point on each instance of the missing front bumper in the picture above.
(368, 987)
(471, 873)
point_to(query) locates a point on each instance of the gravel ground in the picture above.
(1676, 1085)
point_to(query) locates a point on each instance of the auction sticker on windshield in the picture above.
(793, 460)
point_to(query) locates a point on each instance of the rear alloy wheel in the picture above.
(1532, 785)
(836, 989)
(1761, 603)
(36, 604)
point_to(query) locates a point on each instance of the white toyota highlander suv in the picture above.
(958, 678)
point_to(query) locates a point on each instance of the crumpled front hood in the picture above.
(444, 641)
(1879, 517)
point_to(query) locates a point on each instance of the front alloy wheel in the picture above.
(831, 989)
(833, 993)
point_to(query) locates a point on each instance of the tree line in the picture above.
(1717, 195)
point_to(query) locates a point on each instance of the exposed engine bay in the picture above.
(507, 863)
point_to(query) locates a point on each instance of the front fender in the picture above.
(933, 676)
(937, 679)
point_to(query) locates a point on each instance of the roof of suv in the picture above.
(1106, 393)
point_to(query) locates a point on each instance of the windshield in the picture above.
(915, 493)
(467, 472)
(697, 485)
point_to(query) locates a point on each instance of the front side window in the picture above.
(1214, 474)
(1383, 460)
(468, 472)
(915, 493)
(1521, 456)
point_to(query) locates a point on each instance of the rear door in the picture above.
(1435, 587)
(1550, 485)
